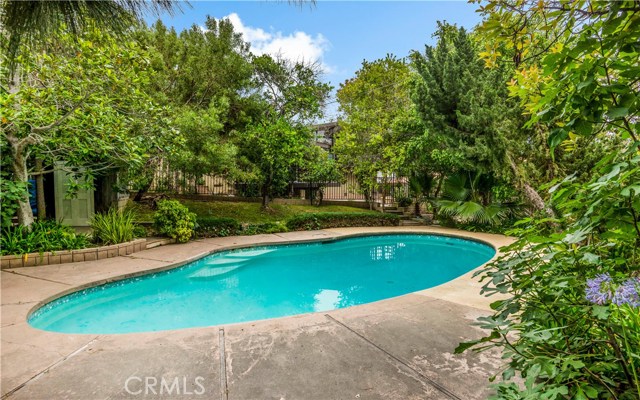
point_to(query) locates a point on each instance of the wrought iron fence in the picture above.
(168, 180)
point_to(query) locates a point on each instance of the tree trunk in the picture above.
(532, 196)
(142, 191)
(439, 187)
(436, 194)
(20, 174)
(265, 196)
(41, 205)
(367, 198)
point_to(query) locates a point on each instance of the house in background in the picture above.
(323, 135)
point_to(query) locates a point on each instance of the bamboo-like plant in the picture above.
(113, 227)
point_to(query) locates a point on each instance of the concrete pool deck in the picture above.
(399, 348)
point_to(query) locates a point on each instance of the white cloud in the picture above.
(298, 46)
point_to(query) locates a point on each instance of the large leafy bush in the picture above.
(571, 322)
(174, 220)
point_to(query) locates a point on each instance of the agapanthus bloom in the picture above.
(599, 289)
(627, 293)
(602, 290)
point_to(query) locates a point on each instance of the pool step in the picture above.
(249, 253)
(209, 273)
(225, 260)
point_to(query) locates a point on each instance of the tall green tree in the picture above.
(205, 150)
(376, 105)
(472, 126)
(320, 169)
(203, 74)
(202, 64)
(290, 96)
(85, 104)
(268, 152)
(290, 90)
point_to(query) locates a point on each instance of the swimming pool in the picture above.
(265, 282)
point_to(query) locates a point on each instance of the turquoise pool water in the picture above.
(265, 282)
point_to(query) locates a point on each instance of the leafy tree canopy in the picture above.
(85, 103)
(377, 114)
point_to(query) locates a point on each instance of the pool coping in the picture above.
(26, 341)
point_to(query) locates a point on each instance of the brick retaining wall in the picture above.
(68, 256)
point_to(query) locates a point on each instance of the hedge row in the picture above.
(312, 221)
(266, 227)
(220, 227)
(217, 227)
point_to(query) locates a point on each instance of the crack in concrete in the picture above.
(49, 368)
(206, 242)
(224, 390)
(19, 303)
(149, 259)
(422, 378)
(35, 277)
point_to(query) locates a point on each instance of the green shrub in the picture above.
(217, 227)
(266, 227)
(568, 315)
(174, 220)
(311, 221)
(43, 236)
(139, 231)
(404, 201)
(113, 227)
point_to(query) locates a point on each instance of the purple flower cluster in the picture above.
(599, 289)
(602, 290)
(628, 293)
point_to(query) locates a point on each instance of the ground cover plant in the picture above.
(216, 227)
(41, 237)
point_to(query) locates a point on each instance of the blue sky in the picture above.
(337, 34)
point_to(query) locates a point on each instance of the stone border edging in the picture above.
(70, 256)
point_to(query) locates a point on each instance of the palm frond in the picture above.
(29, 21)
(471, 211)
(455, 187)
